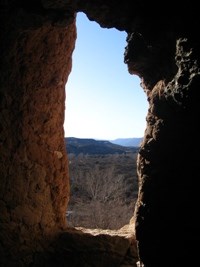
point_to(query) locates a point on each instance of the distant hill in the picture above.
(91, 146)
(128, 142)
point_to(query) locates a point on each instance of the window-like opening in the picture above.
(105, 108)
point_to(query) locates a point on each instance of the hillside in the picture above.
(95, 147)
(130, 142)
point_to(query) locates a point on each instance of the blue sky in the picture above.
(103, 101)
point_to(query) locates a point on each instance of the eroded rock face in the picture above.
(35, 64)
(37, 41)
(168, 186)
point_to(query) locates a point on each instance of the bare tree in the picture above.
(101, 197)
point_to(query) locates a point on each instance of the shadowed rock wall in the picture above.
(35, 63)
(37, 41)
(167, 167)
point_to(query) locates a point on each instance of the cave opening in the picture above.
(104, 103)
(35, 62)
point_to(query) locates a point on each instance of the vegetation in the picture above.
(103, 189)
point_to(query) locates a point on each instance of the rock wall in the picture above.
(37, 41)
(167, 167)
(34, 189)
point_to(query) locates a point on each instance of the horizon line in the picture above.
(103, 138)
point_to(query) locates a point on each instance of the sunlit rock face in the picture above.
(37, 41)
(35, 63)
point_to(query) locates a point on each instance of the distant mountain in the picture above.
(91, 146)
(130, 142)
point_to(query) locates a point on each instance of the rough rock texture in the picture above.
(35, 63)
(37, 41)
(168, 167)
